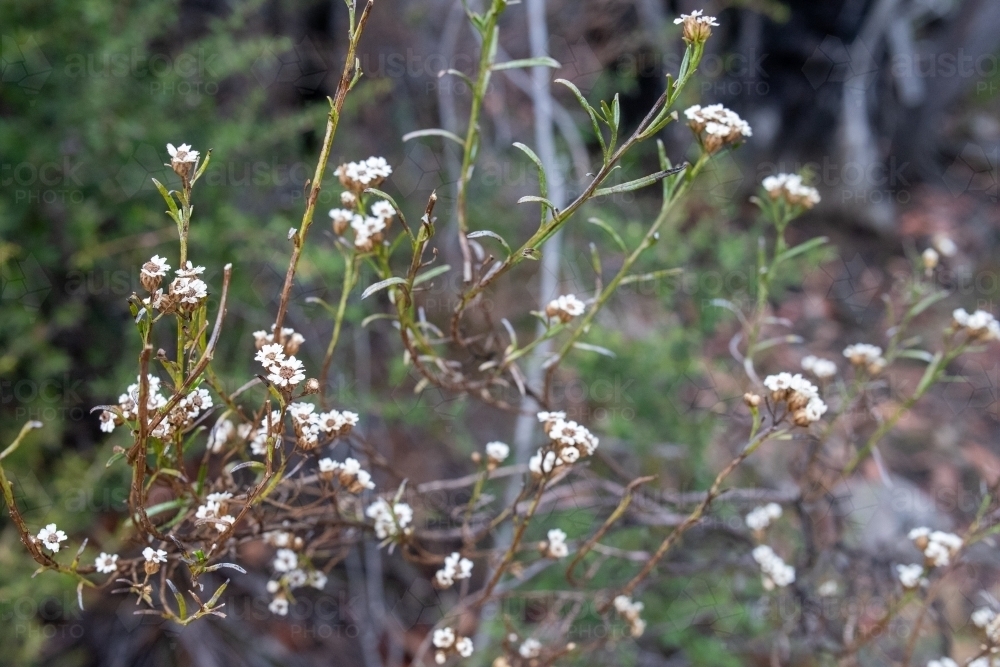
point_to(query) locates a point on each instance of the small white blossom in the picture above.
(821, 368)
(761, 517)
(154, 555)
(287, 373)
(565, 307)
(910, 575)
(791, 189)
(444, 638)
(285, 560)
(50, 537)
(156, 267)
(497, 452)
(531, 648)
(106, 563)
(182, 153)
(278, 606)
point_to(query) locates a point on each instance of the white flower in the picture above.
(190, 271)
(862, 354)
(545, 417)
(222, 432)
(296, 578)
(182, 153)
(342, 215)
(761, 517)
(270, 355)
(565, 307)
(827, 589)
(285, 560)
(455, 567)
(791, 188)
(717, 126)
(556, 545)
(279, 606)
(774, 571)
(317, 579)
(383, 209)
(531, 648)
(910, 575)
(50, 537)
(444, 637)
(948, 662)
(189, 290)
(106, 563)
(821, 368)
(979, 324)
(389, 521)
(156, 267)
(698, 16)
(983, 616)
(154, 555)
(945, 245)
(497, 452)
(287, 373)
(464, 647)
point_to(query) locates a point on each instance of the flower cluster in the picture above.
(565, 308)
(790, 189)
(284, 372)
(716, 126)
(496, 453)
(938, 547)
(289, 339)
(696, 27)
(292, 575)
(356, 176)
(554, 547)
(390, 520)
(630, 612)
(446, 641)
(761, 517)
(869, 357)
(367, 230)
(569, 443)
(215, 511)
(349, 474)
(455, 567)
(979, 325)
(944, 662)
(185, 293)
(988, 620)
(911, 576)
(801, 396)
(774, 571)
(821, 368)
(530, 648)
(180, 418)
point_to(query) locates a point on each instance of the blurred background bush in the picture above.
(891, 105)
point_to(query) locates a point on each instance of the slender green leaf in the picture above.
(542, 181)
(492, 235)
(434, 132)
(614, 235)
(639, 182)
(431, 273)
(541, 61)
(594, 348)
(382, 284)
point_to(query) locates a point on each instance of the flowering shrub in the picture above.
(276, 464)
